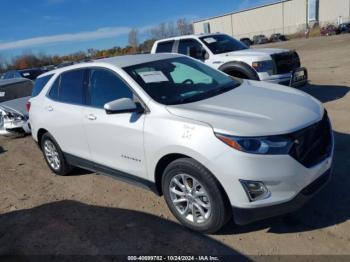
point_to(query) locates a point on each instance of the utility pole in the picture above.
(282, 1)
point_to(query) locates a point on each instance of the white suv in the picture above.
(215, 146)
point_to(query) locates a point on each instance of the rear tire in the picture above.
(54, 156)
(194, 196)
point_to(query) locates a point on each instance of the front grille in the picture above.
(313, 144)
(286, 62)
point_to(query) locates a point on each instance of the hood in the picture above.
(254, 109)
(256, 52)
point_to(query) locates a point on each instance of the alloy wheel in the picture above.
(190, 198)
(52, 155)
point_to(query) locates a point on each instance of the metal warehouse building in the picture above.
(286, 17)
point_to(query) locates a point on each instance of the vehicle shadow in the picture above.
(2, 150)
(326, 93)
(70, 227)
(331, 206)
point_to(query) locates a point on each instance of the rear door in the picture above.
(115, 140)
(64, 112)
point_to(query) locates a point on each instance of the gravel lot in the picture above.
(90, 214)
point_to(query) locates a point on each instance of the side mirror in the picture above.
(198, 53)
(123, 105)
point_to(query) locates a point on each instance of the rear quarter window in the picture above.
(40, 84)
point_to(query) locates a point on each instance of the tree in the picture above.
(2, 64)
(184, 27)
(146, 46)
(133, 40)
(163, 30)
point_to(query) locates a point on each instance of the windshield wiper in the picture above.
(206, 95)
(222, 89)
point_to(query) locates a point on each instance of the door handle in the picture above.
(49, 108)
(91, 117)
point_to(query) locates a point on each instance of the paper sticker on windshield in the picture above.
(153, 77)
(2, 94)
(26, 74)
(210, 40)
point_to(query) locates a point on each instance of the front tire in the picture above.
(194, 196)
(54, 156)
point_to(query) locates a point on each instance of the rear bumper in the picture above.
(17, 129)
(244, 216)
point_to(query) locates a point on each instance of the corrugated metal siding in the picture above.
(220, 24)
(332, 11)
(286, 17)
(295, 16)
(258, 21)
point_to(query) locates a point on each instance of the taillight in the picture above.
(28, 105)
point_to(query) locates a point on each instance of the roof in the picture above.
(241, 11)
(129, 60)
(117, 61)
(187, 36)
(5, 82)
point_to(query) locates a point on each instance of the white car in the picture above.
(14, 94)
(223, 52)
(215, 146)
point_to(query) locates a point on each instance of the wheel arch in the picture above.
(240, 68)
(162, 163)
(40, 134)
(165, 160)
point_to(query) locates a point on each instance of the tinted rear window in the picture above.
(165, 47)
(40, 84)
(53, 94)
(71, 88)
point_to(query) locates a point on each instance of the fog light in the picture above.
(255, 190)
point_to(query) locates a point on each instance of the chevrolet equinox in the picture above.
(216, 147)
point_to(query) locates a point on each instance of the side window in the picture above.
(40, 84)
(71, 89)
(53, 94)
(165, 47)
(105, 87)
(185, 44)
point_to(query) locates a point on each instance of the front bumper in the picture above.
(285, 79)
(243, 216)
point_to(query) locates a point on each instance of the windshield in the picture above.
(219, 44)
(180, 80)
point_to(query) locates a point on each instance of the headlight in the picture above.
(273, 145)
(264, 66)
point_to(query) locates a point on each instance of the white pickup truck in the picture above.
(221, 51)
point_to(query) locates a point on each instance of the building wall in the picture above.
(334, 11)
(220, 24)
(258, 21)
(295, 16)
(285, 17)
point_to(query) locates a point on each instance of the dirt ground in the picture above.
(91, 214)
